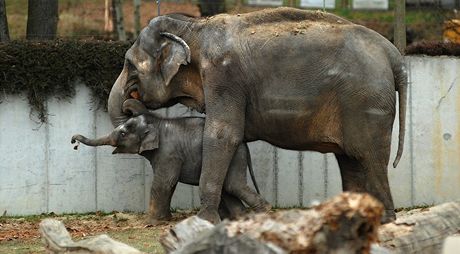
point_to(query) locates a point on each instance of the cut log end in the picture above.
(347, 223)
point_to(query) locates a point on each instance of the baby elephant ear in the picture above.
(150, 141)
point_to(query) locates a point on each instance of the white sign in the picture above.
(329, 4)
(370, 4)
(266, 2)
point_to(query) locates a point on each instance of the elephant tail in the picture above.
(251, 171)
(401, 87)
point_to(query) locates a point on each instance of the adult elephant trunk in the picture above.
(135, 107)
(116, 99)
(106, 140)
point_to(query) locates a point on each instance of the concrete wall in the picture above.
(40, 172)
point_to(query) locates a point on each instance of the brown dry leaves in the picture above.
(80, 225)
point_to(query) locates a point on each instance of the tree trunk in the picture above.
(42, 19)
(211, 7)
(4, 34)
(345, 224)
(108, 19)
(137, 17)
(119, 23)
(400, 26)
(422, 232)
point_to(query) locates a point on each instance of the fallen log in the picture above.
(422, 232)
(346, 223)
(58, 241)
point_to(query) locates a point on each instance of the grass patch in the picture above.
(22, 246)
(143, 239)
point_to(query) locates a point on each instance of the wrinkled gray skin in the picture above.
(297, 79)
(174, 149)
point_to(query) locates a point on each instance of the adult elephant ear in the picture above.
(174, 53)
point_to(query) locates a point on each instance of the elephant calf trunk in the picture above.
(106, 140)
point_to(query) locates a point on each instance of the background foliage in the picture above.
(49, 69)
(46, 69)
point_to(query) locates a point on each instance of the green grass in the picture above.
(145, 239)
(21, 246)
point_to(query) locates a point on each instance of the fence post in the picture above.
(400, 25)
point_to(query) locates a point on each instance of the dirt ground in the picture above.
(21, 235)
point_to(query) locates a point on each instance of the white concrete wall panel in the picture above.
(289, 167)
(400, 178)
(436, 133)
(23, 152)
(334, 181)
(314, 173)
(40, 172)
(120, 177)
(263, 162)
(72, 181)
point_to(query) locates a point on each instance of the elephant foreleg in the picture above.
(164, 184)
(222, 135)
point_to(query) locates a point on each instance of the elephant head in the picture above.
(151, 68)
(136, 135)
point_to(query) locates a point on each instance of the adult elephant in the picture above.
(297, 79)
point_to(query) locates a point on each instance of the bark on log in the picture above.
(58, 241)
(422, 232)
(42, 19)
(345, 224)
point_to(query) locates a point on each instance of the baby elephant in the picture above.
(174, 149)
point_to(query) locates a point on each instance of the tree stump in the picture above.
(422, 232)
(346, 223)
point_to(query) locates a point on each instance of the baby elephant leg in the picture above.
(164, 184)
(236, 182)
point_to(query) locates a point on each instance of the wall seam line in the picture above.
(275, 176)
(300, 159)
(95, 161)
(411, 133)
(47, 156)
(326, 176)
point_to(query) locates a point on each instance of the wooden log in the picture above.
(422, 232)
(346, 223)
(58, 241)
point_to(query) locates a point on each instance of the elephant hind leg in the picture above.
(230, 207)
(236, 183)
(370, 176)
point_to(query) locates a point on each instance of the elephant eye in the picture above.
(123, 133)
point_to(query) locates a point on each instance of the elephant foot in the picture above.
(388, 216)
(263, 208)
(211, 216)
(157, 220)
